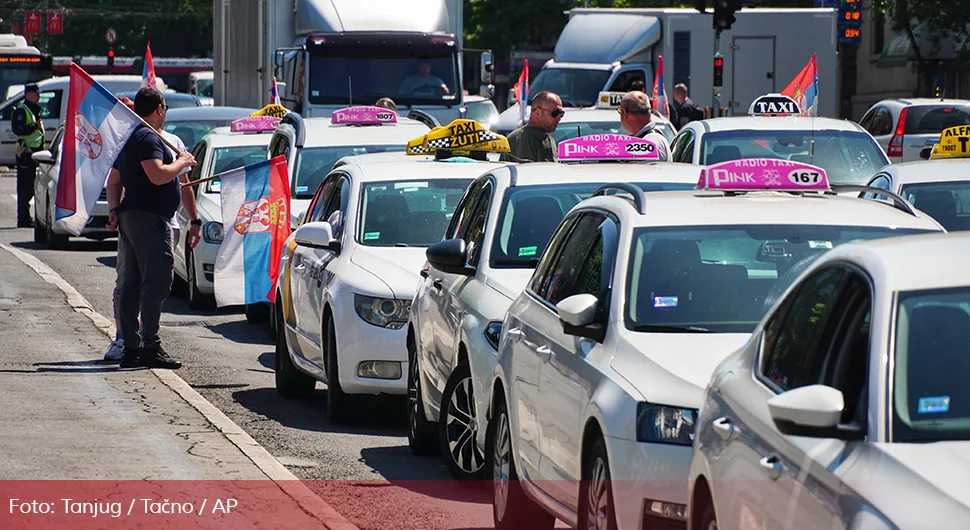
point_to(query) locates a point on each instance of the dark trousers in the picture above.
(26, 173)
(146, 269)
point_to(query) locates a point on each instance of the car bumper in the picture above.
(359, 342)
(204, 255)
(647, 478)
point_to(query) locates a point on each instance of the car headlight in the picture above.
(384, 312)
(212, 232)
(492, 333)
(665, 425)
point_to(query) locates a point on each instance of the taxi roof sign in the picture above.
(254, 124)
(608, 147)
(954, 143)
(363, 115)
(609, 100)
(758, 174)
(273, 110)
(774, 105)
(459, 136)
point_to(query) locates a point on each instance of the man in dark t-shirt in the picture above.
(533, 142)
(147, 174)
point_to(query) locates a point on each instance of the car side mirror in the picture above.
(43, 157)
(814, 411)
(578, 316)
(450, 256)
(488, 66)
(925, 152)
(315, 235)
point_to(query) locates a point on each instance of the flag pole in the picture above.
(207, 179)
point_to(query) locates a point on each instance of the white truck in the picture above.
(609, 49)
(328, 54)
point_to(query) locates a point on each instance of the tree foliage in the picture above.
(943, 18)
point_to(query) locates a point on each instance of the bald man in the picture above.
(533, 141)
(635, 117)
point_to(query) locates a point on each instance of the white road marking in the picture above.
(274, 470)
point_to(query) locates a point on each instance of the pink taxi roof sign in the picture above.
(254, 124)
(753, 174)
(363, 115)
(607, 147)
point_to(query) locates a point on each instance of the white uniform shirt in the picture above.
(177, 142)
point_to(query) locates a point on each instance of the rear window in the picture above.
(932, 119)
(947, 202)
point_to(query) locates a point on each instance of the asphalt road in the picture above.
(365, 471)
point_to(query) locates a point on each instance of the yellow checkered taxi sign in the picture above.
(459, 136)
(954, 143)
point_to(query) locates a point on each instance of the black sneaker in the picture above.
(132, 358)
(158, 358)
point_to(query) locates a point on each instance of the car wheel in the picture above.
(197, 299)
(595, 491)
(511, 508)
(290, 381)
(257, 313)
(459, 427)
(421, 432)
(40, 233)
(707, 519)
(54, 240)
(341, 407)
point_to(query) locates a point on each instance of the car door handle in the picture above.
(515, 333)
(437, 283)
(424, 273)
(772, 466)
(299, 268)
(723, 427)
(545, 352)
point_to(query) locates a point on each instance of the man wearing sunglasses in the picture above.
(635, 117)
(532, 142)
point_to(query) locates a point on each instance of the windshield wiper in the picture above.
(666, 328)
(518, 262)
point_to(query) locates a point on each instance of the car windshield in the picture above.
(932, 119)
(406, 79)
(313, 164)
(226, 158)
(567, 131)
(205, 87)
(530, 214)
(847, 157)
(723, 278)
(947, 202)
(407, 213)
(190, 132)
(931, 398)
(577, 87)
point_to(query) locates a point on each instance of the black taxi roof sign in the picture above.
(774, 105)
(609, 100)
(954, 143)
(459, 137)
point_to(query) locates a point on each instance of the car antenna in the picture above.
(350, 90)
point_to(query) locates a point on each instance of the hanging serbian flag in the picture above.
(804, 88)
(148, 70)
(521, 89)
(256, 220)
(274, 93)
(659, 93)
(97, 128)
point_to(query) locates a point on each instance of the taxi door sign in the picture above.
(459, 136)
(774, 105)
(272, 110)
(954, 143)
(609, 100)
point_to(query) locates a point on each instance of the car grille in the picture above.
(104, 195)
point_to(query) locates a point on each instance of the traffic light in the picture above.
(718, 70)
(111, 59)
(724, 13)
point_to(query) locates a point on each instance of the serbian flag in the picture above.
(97, 128)
(521, 89)
(256, 220)
(804, 88)
(148, 71)
(659, 94)
(274, 93)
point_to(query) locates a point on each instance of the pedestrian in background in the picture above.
(636, 118)
(143, 196)
(686, 110)
(533, 142)
(27, 125)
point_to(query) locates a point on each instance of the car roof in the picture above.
(929, 171)
(777, 123)
(901, 262)
(930, 101)
(715, 208)
(168, 95)
(419, 168)
(207, 113)
(539, 173)
(222, 137)
(320, 133)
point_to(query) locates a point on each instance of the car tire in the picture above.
(596, 508)
(341, 407)
(291, 383)
(55, 241)
(197, 299)
(257, 313)
(422, 439)
(512, 509)
(458, 427)
(707, 519)
(40, 234)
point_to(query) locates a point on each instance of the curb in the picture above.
(308, 501)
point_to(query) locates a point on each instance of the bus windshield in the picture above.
(20, 69)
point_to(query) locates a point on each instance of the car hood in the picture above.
(398, 267)
(509, 282)
(673, 368)
(210, 206)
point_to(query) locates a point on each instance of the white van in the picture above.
(200, 84)
(53, 104)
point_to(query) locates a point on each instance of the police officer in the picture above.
(635, 117)
(26, 123)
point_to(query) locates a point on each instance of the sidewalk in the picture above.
(67, 416)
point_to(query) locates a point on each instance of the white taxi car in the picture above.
(490, 249)
(849, 407)
(349, 272)
(845, 150)
(244, 142)
(604, 357)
